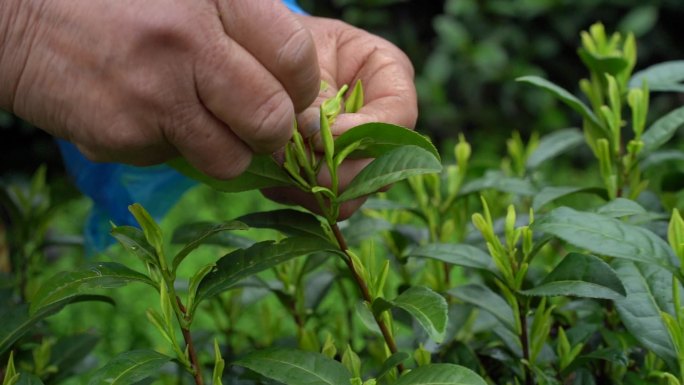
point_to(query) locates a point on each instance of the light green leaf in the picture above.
(130, 367)
(102, 275)
(605, 236)
(133, 240)
(563, 95)
(263, 172)
(554, 144)
(201, 233)
(667, 76)
(456, 254)
(441, 374)
(355, 99)
(497, 181)
(484, 298)
(149, 227)
(621, 207)
(243, 263)
(603, 63)
(393, 166)
(391, 362)
(580, 275)
(380, 138)
(296, 367)
(427, 307)
(662, 130)
(287, 221)
(639, 309)
(550, 194)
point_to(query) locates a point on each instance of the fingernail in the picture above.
(311, 125)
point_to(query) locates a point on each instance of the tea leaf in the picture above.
(605, 236)
(16, 320)
(621, 207)
(380, 138)
(456, 254)
(484, 298)
(580, 275)
(391, 362)
(657, 158)
(288, 221)
(150, 228)
(496, 181)
(639, 309)
(28, 379)
(662, 130)
(133, 240)
(201, 233)
(442, 374)
(263, 172)
(103, 275)
(70, 351)
(355, 100)
(243, 263)
(667, 76)
(296, 367)
(563, 95)
(603, 63)
(427, 307)
(393, 166)
(550, 194)
(554, 144)
(130, 367)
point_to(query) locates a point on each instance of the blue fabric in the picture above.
(113, 187)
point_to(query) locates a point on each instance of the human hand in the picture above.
(345, 54)
(140, 82)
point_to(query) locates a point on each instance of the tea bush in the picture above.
(458, 275)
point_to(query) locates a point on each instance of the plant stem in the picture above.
(196, 367)
(365, 293)
(525, 342)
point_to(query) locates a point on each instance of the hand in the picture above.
(140, 82)
(345, 54)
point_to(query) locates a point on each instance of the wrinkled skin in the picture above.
(214, 81)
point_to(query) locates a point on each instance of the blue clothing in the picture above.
(113, 187)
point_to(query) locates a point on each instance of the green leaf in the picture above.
(441, 374)
(580, 275)
(28, 379)
(667, 76)
(70, 351)
(263, 172)
(393, 166)
(427, 307)
(380, 138)
(639, 310)
(496, 181)
(605, 236)
(243, 263)
(484, 298)
(102, 275)
(133, 240)
(563, 95)
(287, 221)
(16, 321)
(603, 63)
(149, 227)
(130, 367)
(554, 144)
(355, 99)
(456, 254)
(550, 194)
(621, 207)
(296, 367)
(391, 362)
(657, 158)
(662, 130)
(202, 232)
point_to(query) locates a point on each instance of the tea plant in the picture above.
(464, 279)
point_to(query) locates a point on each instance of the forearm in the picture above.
(16, 34)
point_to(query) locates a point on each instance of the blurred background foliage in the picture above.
(467, 54)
